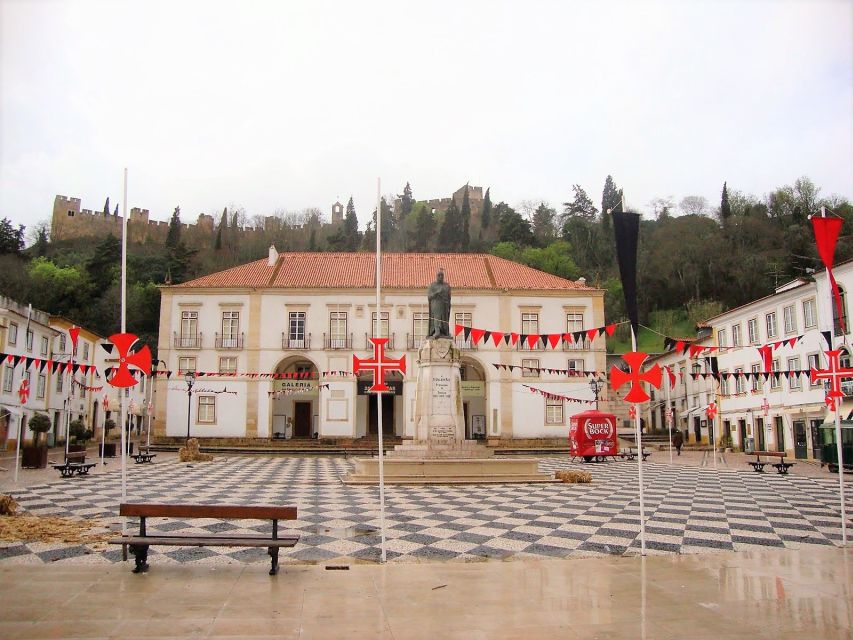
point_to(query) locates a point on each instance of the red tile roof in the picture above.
(399, 271)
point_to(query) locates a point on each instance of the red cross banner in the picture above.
(123, 376)
(835, 373)
(653, 375)
(711, 411)
(379, 365)
(24, 391)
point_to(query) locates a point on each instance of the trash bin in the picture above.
(51, 439)
(749, 446)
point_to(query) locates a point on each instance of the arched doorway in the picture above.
(367, 403)
(295, 398)
(474, 397)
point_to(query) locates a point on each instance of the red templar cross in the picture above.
(835, 373)
(711, 411)
(765, 407)
(653, 375)
(380, 365)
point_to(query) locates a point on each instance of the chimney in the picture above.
(273, 257)
(581, 281)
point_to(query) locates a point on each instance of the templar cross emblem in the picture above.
(835, 374)
(653, 375)
(711, 411)
(380, 365)
(765, 407)
(141, 358)
(632, 412)
(24, 391)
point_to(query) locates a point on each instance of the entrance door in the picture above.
(468, 435)
(387, 414)
(697, 429)
(816, 445)
(780, 433)
(740, 441)
(302, 419)
(801, 446)
(759, 433)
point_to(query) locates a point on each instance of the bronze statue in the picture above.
(438, 295)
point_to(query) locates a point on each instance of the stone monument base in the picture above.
(448, 471)
(463, 449)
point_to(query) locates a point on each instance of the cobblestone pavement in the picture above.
(689, 509)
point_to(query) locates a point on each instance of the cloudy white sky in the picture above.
(286, 105)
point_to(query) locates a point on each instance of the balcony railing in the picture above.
(337, 342)
(188, 341)
(414, 342)
(228, 341)
(576, 346)
(465, 345)
(287, 342)
(388, 345)
(539, 345)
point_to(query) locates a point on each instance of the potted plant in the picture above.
(81, 435)
(109, 447)
(35, 455)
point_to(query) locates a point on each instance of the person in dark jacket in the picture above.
(678, 441)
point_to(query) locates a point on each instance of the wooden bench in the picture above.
(758, 464)
(144, 456)
(632, 453)
(75, 462)
(139, 544)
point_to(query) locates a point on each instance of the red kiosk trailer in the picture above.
(592, 436)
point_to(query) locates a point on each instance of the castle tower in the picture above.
(337, 213)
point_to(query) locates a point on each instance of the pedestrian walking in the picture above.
(678, 441)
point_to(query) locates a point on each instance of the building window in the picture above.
(13, 333)
(62, 344)
(724, 383)
(722, 339)
(575, 365)
(230, 330)
(814, 363)
(42, 382)
(464, 320)
(296, 329)
(794, 380)
(752, 330)
(835, 320)
(85, 351)
(207, 409)
(420, 328)
(774, 380)
(530, 368)
(189, 329)
(770, 320)
(29, 340)
(790, 319)
(553, 411)
(185, 365)
(338, 330)
(379, 325)
(529, 325)
(740, 382)
(735, 335)
(228, 364)
(809, 317)
(8, 379)
(756, 369)
(574, 322)
(44, 345)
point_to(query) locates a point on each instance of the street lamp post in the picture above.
(595, 386)
(189, 378)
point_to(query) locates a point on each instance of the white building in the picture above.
(304, 316)
(782, 413)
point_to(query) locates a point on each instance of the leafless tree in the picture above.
(693, 205)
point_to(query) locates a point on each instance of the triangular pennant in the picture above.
(554, 339)
(497, 336)
(591, 334)
(513, 338)
(532, 339)
(610, 329)
(577, 336)
(457, 329)
(477, 335)
(486, 337)
(466, 333)
(668, 343)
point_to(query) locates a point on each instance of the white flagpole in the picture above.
(103, 432)
(21, 418)
(668, 413)
(379, 395)
(639, 436)
(837, 415)
(122, 409)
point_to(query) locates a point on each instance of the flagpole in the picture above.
(103, 433)
(639, 436)
(122, 409)
(20, 420)
(837, 416)
(668, 414)
(379, 426)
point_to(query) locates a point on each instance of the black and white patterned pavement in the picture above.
(688, 509)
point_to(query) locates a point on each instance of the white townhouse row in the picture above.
(45, 338)
(784, 412)
(271, 344)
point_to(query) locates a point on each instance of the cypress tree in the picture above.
(406, 201)
(486, 216)
(107, 207)
(725, 207)
(465, 240)
(449, 235)
(173, 237)
(351, 234)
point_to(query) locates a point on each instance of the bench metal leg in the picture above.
(273, 551)
(140, 556)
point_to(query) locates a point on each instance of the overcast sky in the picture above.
(287, 105)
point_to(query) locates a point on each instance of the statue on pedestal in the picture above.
(438, 295)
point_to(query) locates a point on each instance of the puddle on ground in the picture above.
(344, 533)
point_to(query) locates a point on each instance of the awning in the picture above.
(802, 409)
(846, 411)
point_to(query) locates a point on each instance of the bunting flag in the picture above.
(751, 375)
(531, 340)
(558, 372)
(685, 346)
(766, 353)
(557, 396)
(826, 232)
(86, 387)
(40, 364)
(670, 376)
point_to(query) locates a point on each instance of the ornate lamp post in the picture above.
(595, 386)
(189, 378)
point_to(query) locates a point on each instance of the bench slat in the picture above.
(224, 512)
(213, 541)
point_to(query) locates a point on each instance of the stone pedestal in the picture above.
(439, 452)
